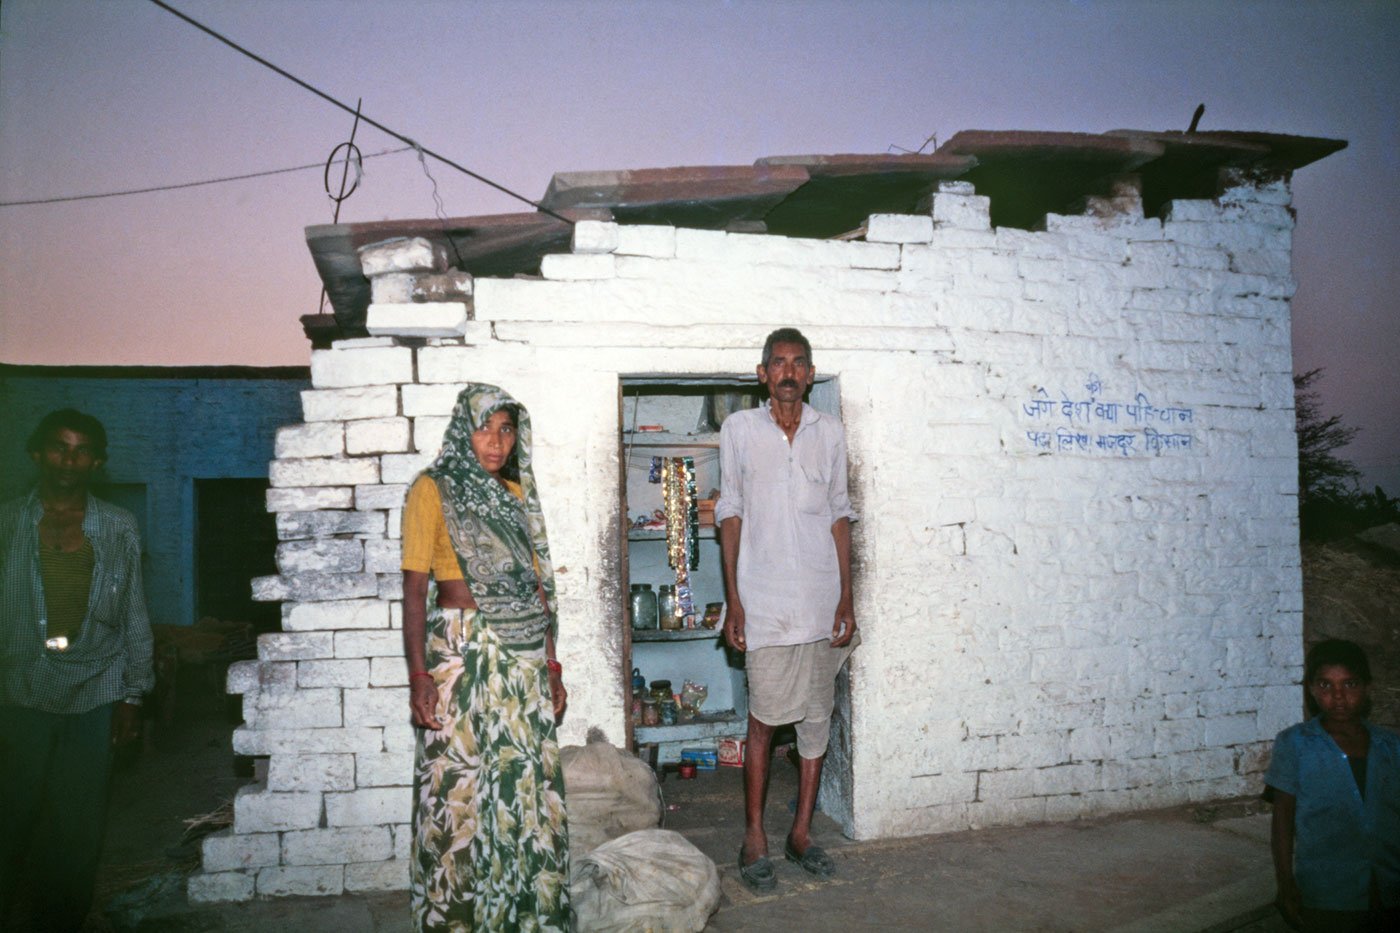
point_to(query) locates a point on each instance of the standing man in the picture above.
(785, 533)
(75, 658)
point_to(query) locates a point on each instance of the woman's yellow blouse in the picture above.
(426, 543)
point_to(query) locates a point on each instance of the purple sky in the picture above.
(97, 97)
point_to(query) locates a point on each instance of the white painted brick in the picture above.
(337, 614)
(227, 851)
(308, 498)
(388, 672)
(343, 404)
(381, 497)
(220, 887)
(323, 524)
(371, 644)
(334, 555)
(324, 471)
(428, 432)
(438, 399)
(337, 846)
(301, 881)
(384, 769)
(310, 773)
(256, 810)
(961, 211)
(391, 288)
(417, 319)
(340, 672)
(594, 236)
(379, 706)
(642, 240)
(401, 737)
(578, 267)
(899, 228)
(314, 587)
(402, 254)
(383, 556)
(241, 677)
(295, 646)
(370, 806)
(377, 435)
(298, 709)
(390, 875)
(378, 366)
(316, 439)
(404, 468)
(250, 741)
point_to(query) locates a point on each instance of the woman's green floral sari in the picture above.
(490, 838)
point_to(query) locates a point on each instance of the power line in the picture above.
(374, 123)
(189, 184)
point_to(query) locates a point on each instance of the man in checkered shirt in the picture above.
(75, 659)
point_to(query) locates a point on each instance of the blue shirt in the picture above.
(1339, 838)
(111, 658)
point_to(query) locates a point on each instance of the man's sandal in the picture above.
(758, 874)
(814, 861)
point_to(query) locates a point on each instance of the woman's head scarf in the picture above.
(494, 534)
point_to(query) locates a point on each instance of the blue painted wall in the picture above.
(166, 428)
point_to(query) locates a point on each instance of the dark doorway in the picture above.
(235, 541)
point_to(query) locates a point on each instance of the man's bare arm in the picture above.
(843, 626)
(733, 608)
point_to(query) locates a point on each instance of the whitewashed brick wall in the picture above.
(1063, 614)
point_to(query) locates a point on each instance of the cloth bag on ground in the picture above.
(608, 793)
(650, 880)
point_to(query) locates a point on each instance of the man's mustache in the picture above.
(788, 384)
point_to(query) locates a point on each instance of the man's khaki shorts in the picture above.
(797, 684)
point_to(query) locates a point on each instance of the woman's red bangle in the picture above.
(420, 674)
(554, 666)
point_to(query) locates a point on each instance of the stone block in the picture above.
(372, 806)
(241, 677)
(642, 240)
(325, 555)
(402, 254)
(383, 556)
(309, 498)
(314, 587)
(428, 432)
(436, 399)
(960, 211)
(404, 468)
(337, 845)
(324, 524)
(376, 366)
(228, 851)
(295, 646)
(384, 769)
(344, 404)
(315, 439)
(333, 672)
(378, 706)
(452, 285)
(899, 228)
(389, 496)
(301, 881)
(324, 471)
(391, 288)
(220, 887)
(389, 875)
(372, 644)
(575, 267)
(594, 236)
(388, 672)
(256, 810)
(337, 614)
(310, 773)
(377, 436)
(263, 742)
(417, 319)
(298, 709)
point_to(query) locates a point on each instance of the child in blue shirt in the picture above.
(1336, 789)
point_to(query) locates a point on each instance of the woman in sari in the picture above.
(490, 847)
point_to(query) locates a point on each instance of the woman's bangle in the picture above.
(554, 666)
(420, 674)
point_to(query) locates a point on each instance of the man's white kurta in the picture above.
(788, 497)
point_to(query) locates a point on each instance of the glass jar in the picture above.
(643, 604)
(651, 714)
(666, 608)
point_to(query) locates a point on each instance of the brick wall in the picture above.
(1072, 451)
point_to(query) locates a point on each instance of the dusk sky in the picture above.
(98, 97)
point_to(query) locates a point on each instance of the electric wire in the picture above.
(374, 123)
(189, 184)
